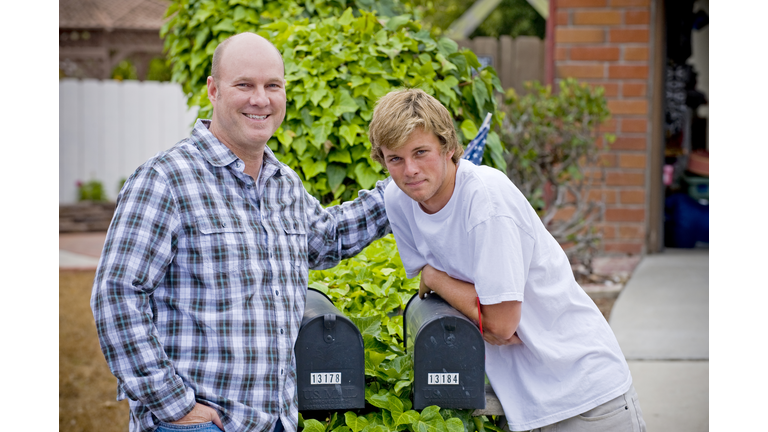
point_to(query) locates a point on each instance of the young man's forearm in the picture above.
(500, 321)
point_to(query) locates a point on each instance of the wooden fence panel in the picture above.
(515, 60)
(108, 128)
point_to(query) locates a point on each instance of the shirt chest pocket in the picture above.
(292, 242)
(222, 243)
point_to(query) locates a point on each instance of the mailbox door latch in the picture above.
(329, 328)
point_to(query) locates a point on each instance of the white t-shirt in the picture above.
(489, 235)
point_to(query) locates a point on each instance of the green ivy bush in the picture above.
(340, 57)
(372, 290)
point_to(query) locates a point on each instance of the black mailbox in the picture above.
(330, 358)
(448, 355)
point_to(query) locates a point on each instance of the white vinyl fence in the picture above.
(108, 128)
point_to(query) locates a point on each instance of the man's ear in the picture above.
(212, 90)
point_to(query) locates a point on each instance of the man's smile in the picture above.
(256, 117)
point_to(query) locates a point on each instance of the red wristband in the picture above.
(479, 315)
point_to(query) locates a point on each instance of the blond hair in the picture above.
(399, 113)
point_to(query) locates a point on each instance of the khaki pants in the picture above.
(622, 414)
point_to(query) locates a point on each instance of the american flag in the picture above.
(476, 147)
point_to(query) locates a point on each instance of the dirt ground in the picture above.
(87, 388)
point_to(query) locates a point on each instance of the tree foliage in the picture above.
(340, 57)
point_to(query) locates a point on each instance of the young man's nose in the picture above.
(411, 168)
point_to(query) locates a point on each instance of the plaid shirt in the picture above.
(201, 286)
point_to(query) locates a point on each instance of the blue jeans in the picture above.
(202, 427)
(199, 427)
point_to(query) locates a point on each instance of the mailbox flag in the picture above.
(476, 147)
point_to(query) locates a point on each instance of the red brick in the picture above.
(634, 125)
(603, 17)
(636, 17)
(562, 17)
(625, 3)
(636, 53)
(581, 3)
(625, 214)
(595, 53)
(629, 143)
(609, 231)
(561, 53)
(579, 35)
(631, 196)
(633, 231)
(620, 178)
(607, 196)
(623, 247)
(608, 126)
(627, 71)
(589, 70)
(611, 88)
(620, 106)
(564, 213)
(629, 160)
(608, 160)
(634, 89)
(623, 35)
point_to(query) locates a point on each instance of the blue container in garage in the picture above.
(686, 222)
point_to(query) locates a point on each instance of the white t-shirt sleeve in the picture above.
(501, 253)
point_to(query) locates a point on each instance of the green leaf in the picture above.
(313, 168)
(224, 25)
(395, 23)
(366, 177)
(312, 425)
(447, 46)
(336, 175)
(354, 422)
(347, 18)
(349, 132)
(454, 425)
(367, 325)
(469, 129)
(345, 103)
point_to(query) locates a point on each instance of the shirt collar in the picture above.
(217, 154)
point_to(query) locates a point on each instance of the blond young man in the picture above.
(551, 357)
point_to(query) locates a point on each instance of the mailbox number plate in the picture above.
(443, 379)
(326, 378)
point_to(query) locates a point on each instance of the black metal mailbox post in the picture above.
(448, 355)
(330, 358)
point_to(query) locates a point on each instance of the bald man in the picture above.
(201, 285)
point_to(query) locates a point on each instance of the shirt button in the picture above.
(281, 371)
(281, 331)
(277, 292)
(223, 225)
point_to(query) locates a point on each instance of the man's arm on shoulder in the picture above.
(500, 320)
(138, 249)
(342, 231)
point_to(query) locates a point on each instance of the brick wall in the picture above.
(606, 43)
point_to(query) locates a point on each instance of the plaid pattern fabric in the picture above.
(201, 286)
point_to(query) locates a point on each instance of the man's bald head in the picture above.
(218, 54)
